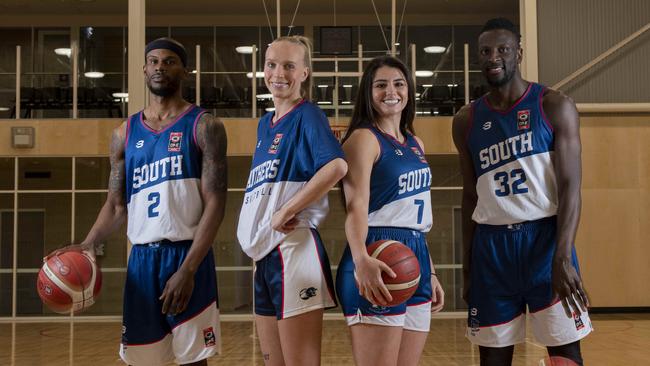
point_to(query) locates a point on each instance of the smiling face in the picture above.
(499, 56)
(285, 69)
(389, 92)
(163, 72)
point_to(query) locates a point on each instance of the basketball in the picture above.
(69, 281)
(403, 262)
(558, 361)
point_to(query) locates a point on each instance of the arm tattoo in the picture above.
(211, 137)
(117, 180)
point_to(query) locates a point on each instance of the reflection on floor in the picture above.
(618, 340)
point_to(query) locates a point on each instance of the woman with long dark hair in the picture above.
(387, 196)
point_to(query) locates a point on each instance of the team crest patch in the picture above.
(209, 337)
(276, 143)
(579, 323)
(175, 141)
(417, 153)
(306, 293)
(523, 119)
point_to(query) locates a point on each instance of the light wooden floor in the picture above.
(618, 340)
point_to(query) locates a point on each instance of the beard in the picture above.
(508, 74)
(165, 90)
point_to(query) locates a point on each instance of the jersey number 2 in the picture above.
(518, 179)
(154, 201)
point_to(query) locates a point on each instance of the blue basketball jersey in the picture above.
(400, 184)
(512, 153)
(163, 169)
(289, 152)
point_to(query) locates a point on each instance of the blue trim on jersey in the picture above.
(389, 176)
(152, 157)
(293, 148)
(496, 138)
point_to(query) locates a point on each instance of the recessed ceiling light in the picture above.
(323, 85)
(324, 102)
(270, 109)
(94, 74)
(4, 109)
(121, 95)
(434, 49)
(244, 49)
(347, 85)
(427, 85)
(63, 51)
(265, 96)
(423, 73)
(259, 74)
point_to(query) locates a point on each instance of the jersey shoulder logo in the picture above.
(417, 153)
(275, 145)
(487, 125)
(175, 139)
(523, 119)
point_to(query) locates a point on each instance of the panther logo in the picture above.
(308, 292)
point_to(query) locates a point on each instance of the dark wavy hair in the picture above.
(364, 114)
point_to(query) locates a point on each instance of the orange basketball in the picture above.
(69, 281)
(403, 262)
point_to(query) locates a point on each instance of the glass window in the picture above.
(92, 172)
(113, 251)
(7, 177)
(6, 251)
(45, 173)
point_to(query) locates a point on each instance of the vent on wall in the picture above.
(38, 175)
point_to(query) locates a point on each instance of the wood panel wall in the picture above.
(613, 238)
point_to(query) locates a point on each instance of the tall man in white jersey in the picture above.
(168, 176)
(519, 149)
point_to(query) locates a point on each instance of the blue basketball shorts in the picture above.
(295, 277)
(511, 271)
(414, 314)
(152, 338)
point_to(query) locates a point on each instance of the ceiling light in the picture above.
(452, 85)
(120, 95)
(193, 71)
(434, 49)
(323, 86)
(347, 85)
(346, 102)
(4, 109)
(427, 85)
(94, 74)
(244, 49)
(324, 102)
(265, 96)
(270, 109)
(423, 73)
(259, 74)
(423, 112)
(63, 51)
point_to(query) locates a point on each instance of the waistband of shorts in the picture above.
(165, 242)
(396, 233)
(520, 226)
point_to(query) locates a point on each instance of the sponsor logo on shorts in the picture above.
(474, 327)
(579, 323)
(175, 141)
(209, 337)
(308, 292)
(523, 119)
(276, 143)
(377, 309)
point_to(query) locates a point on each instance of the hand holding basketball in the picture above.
(69, 281)
(368, 274)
